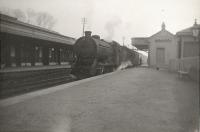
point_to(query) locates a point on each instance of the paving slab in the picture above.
(131, 100)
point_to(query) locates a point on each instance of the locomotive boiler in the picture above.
(95, 56)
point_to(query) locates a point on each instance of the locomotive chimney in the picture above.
(88, 33)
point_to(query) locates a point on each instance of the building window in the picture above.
(53, 59)
(3, 55)
(13, 55)
(25, 55)
(38, 55)
(62, 56)
(66, 55)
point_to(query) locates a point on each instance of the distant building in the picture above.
(178, 52)
(140, 43)
(189, 41)
(162, 48)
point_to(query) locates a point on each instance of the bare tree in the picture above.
(45, 20)
(20, 15)
(42, 19)
(31, 16)
(6, 11)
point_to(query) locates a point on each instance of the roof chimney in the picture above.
(163, 26)
(195, 22)
(88, 33)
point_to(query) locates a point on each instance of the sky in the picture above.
(114, 19)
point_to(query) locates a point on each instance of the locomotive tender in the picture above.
(95, 56)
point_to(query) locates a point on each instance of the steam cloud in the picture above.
(110, 27)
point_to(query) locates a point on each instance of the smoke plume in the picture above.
(111, 26)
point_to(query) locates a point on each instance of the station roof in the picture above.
(188, 31)
(140, 41)
(13, 26)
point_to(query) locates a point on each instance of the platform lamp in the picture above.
(196, 32)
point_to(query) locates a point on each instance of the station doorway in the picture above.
(160, 57)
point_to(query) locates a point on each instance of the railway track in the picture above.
(19, 84)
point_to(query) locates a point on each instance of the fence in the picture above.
(187, 64)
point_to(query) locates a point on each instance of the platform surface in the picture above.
(132, 100)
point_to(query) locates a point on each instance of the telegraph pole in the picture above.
(84, 22)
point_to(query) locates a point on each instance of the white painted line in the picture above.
(24, 97)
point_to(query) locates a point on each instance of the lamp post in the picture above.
(195, 31)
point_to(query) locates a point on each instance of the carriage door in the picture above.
(160, 57)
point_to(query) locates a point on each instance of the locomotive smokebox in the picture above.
(88, 33)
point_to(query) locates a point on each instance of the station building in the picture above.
(188, 41)
(188, 52)
(178, 53)
(161, 46)
(26, 45)
(32, 57)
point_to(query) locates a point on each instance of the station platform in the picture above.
(132, 100)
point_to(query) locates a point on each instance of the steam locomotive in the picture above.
(95, 56)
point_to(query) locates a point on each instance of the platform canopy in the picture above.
(13, 26)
